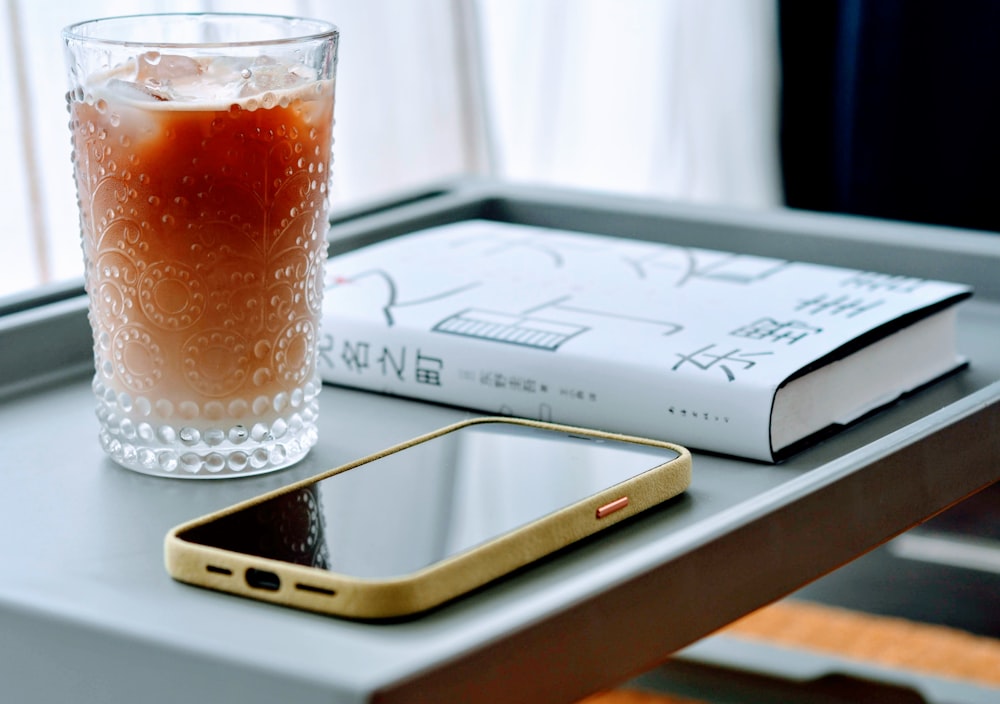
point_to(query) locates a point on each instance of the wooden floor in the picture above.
(878, 640)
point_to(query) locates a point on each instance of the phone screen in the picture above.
(409, 509)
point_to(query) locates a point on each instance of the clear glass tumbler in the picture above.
(202, 151)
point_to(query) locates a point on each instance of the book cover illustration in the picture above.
(678, 343)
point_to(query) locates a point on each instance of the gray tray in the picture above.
(88, 614)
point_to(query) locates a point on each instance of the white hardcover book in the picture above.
(724, 352)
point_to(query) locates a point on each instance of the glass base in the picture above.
(226, 448)
(210, 462)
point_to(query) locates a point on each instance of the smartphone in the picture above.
(416, 525)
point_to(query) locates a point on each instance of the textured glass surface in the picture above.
(202, 177)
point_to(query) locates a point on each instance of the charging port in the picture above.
(263, 579)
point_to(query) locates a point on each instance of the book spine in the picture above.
(558, 386)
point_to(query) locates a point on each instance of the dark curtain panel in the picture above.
(891, 108)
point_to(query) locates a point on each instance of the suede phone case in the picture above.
(319, 590)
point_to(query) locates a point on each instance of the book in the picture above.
(720, 351)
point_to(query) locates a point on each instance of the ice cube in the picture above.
(225, 70)
(135, 91)
(154, 68)
(265, 74)
(167, 77)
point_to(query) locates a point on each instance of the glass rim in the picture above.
(323, 30)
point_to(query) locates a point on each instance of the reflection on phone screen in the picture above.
(407, 510)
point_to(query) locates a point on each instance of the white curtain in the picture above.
(667, 98)
(674, 99)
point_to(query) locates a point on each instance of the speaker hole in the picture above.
(314, 589)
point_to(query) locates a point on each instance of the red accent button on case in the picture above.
(610, 508)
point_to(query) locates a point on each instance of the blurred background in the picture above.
(880, 108)
(674, 99)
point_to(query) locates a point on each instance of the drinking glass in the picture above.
(202, 150)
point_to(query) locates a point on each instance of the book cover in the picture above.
(715, 350)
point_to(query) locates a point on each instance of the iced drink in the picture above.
(202, 184)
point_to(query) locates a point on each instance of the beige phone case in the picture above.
(322, 591)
